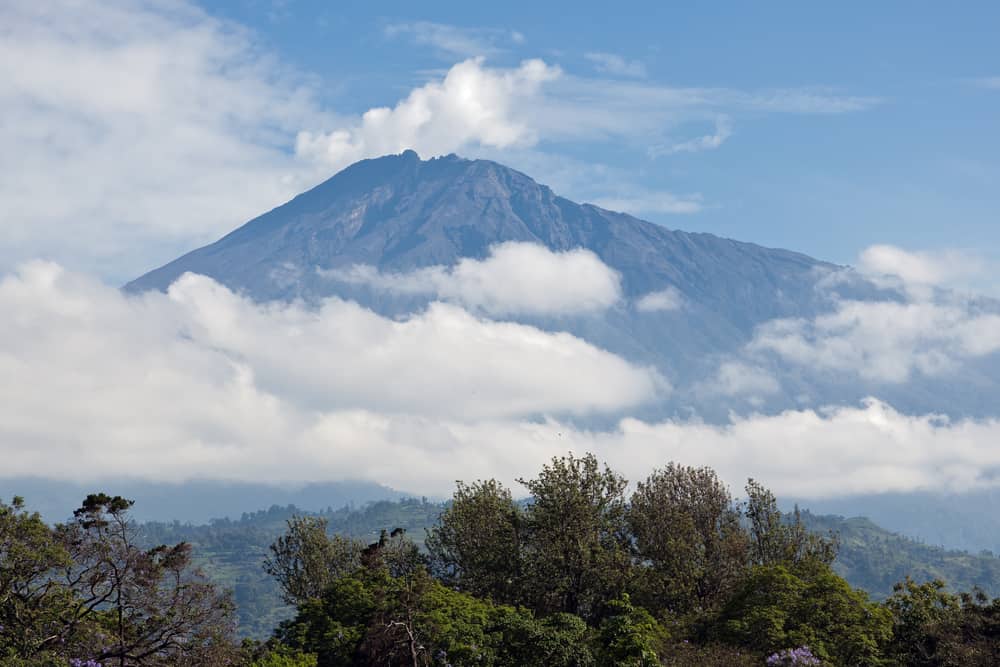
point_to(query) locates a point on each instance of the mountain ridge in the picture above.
(477, 177)
(400, 213)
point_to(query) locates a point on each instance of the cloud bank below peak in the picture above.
(202, 383)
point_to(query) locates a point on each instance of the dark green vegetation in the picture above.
(231, 552)
(581, 573)
(875, 559)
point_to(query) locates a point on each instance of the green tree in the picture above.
(923, 615)
(86, 590)
(577, 538)
(630, 636)
(306, 560)
(476, 543)
(33, 602)
(777, 608)
(935, 628)
(152, 605)
(332, 626)
(688, 535)
(556, 640)
(777, 539)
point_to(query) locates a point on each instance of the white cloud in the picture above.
(819, 453)
(884, 341)
(920, 270)
(200, 383)
(614, 64)
(661, 300)
(133, 129)
(441, 362)
(472, 105)
(929, 328)
(516, 278)
(735, 378)
(476, 106)
(802, 453)
(455, 41)
(723, 130)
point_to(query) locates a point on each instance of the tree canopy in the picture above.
(580, 572)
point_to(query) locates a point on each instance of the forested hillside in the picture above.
(232, 552)
(579, 572)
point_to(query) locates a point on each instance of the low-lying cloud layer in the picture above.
(515, 279)
(884, 340)
(200, 383)
(924, 328)
(442, 362)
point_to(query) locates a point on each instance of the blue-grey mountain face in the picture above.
(399, 213)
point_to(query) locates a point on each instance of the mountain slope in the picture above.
(399, 213)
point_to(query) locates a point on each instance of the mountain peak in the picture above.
(399, 213)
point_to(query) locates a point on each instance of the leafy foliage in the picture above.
(578, 574)
(85, 592)
(779, 607)
(576, 549)
(687, 530)
(305, 560)
(476, 544)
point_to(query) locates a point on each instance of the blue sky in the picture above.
(918, 168)
(132, 131)
(144, 128)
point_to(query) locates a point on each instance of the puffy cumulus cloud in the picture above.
(810, 453)
(515, 279)
(441, 362)
(661, 300)
(132, 125)
(473, 105)
(884, 341)
(198, 383)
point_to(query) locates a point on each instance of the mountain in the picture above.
(399, 213)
